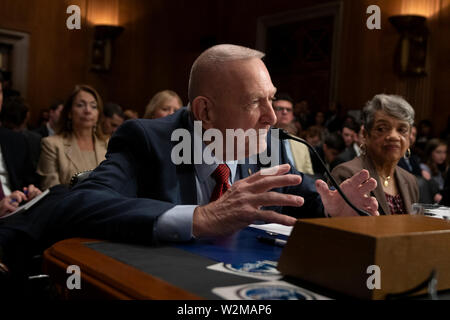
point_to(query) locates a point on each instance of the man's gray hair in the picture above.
(393, 105)
(212, 58)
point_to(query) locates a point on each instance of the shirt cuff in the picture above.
(175, 224)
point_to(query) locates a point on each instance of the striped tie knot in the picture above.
(221, 175)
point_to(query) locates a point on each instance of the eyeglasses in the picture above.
(281, 109)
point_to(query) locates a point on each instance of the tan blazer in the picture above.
(61, 158)
(302, 158)
(406, 182)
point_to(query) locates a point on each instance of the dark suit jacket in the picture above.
(347, 155)
(42, 130)
(406, 182)
(34, 146)
(18, 159)
(414, 162)
(138, 182)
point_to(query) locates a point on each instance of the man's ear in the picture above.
(201, 108)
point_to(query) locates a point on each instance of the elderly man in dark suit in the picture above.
(142, 193)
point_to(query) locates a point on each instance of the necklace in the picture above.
(386, 180)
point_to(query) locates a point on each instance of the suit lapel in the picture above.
(73, 152)
(378, 193)
(246, 170)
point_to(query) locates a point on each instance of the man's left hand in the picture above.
(357, 189)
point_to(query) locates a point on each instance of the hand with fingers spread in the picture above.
(241, 204)
(357, 189)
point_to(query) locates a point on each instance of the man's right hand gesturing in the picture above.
(241, 204)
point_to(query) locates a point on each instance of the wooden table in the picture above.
(103, 277)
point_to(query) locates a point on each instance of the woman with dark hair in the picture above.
(78, 145)
(436, 166)
(387, 121)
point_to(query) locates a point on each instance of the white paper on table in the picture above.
(267, 290)
(273, 228)
(262, 270)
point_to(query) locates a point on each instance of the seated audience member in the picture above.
(14, 116)
(113, 117)
(7, 90)
(319, 121)
(351, 133)
(297, 153)
(54, 112)
(436, 166)
(424, 133)
(411, 163)
(333, 122)
(140, 194)
(314, 136)
(350, 120)
(303, 114)
(387, 121)
(162, 104)
(331, 148)
(16, 169)
(130, 114)
(77, 145)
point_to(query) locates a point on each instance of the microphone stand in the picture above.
(283, 135)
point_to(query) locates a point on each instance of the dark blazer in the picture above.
(126, 193)
(42, 130)
(18, 159)
(347, 155)
(33, 140)
(414, 165)
(406, 182)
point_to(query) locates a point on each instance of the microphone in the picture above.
(283, 135)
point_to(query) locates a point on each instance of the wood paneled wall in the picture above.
(162, 38)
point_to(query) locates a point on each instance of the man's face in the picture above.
(330, 154)
(284, 112)
(313, 140)
(110, 125)
(55, 114)
(243, 100)
(349, 136)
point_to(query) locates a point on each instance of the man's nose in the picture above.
(269, 115)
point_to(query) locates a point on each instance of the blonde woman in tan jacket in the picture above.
(79, 144)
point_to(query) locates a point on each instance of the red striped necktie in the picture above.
(221, 175)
